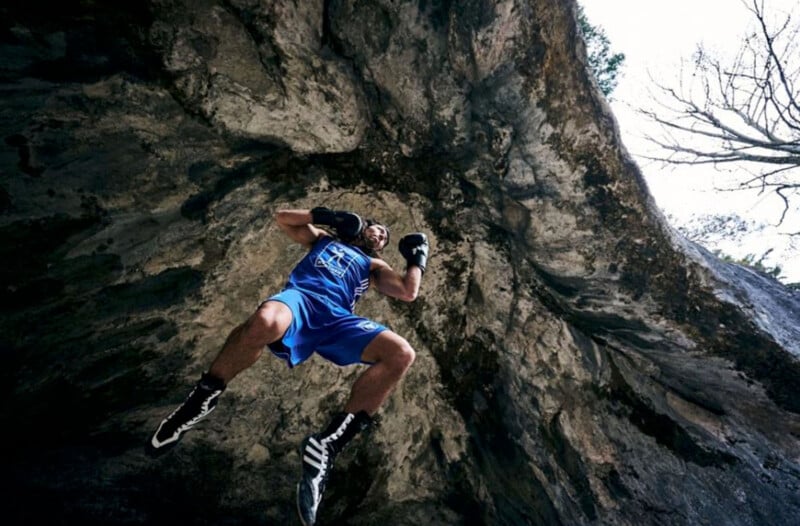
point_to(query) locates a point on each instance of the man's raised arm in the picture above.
(405, 287)
(297, 225)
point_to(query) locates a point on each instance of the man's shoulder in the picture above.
(322, 239)
(377, 264)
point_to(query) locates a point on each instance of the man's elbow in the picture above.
(409, 295)
(286, 219)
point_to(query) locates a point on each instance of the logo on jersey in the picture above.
(336, 259)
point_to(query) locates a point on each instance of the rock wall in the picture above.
(578, 362)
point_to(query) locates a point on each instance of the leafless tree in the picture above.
(742, 112)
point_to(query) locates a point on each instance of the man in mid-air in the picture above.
(314, 313)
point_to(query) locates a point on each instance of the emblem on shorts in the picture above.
(367, 325)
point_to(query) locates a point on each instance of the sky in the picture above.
(655, 37)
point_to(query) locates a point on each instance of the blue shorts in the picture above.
(335, 334)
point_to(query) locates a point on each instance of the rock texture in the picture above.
(578, 362)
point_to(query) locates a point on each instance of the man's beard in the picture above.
(364, 242)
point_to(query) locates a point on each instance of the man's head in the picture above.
(375, 236)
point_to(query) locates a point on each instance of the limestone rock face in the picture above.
(577, 361)
(259, 69)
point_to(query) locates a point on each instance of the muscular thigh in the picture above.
(270, 320)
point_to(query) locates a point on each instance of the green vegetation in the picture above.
(604, 64)
(713, 229)
(757, 264)
(750, 261)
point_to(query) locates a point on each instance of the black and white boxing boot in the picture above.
(200, 402)
(318, 452)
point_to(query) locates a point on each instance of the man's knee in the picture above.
(391, 350)
(265, 325)
(403, 355)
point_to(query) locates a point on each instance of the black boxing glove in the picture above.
(347, 225)
(414, 247)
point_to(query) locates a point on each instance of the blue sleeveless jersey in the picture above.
(333, 272)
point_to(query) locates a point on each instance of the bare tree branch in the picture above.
(745, 111)
(758, 11)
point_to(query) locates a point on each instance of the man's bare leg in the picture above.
(391, 356)
(241, 350)
(246, 343)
